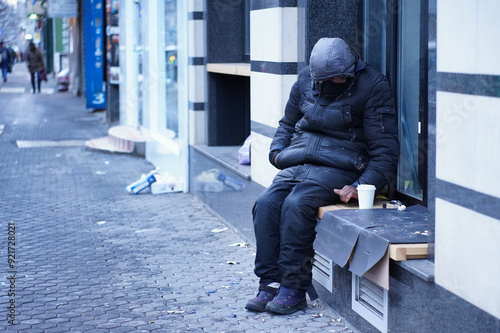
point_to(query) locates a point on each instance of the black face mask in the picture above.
(330, 90)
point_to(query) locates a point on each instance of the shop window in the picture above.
(375, 33)
(412, 98)
(171, 82)
(395, 42)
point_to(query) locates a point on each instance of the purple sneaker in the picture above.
(287, 301)
(259, 303)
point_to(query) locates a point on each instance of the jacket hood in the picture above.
(331, 57)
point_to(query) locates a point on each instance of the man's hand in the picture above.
(346, 193)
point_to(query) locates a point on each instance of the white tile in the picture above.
(197, 84)
(269, 94)
(456, 36)
(467, 261)
(289, 35)
(488, 37)
(487, 151)
(301, 35)
(273, 35)
(263, 171)
(196, 40)
(195, 6)
(265, 34)
(196, 127)
(467, 141)
(468, 37)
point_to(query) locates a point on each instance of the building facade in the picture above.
(202, 76)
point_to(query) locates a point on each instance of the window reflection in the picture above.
(139, 52)
(408, 97)
(405, 64)
(172, 119)
(374, 34)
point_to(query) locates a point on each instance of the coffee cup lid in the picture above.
(366, 187)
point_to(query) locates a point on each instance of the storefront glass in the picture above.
(375, 33)
(138, 49)
(172, 119)
(395, 42)
(165, 88)
(411, 98)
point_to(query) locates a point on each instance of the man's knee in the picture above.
(267, 201)
(299, 206)
(293, 201)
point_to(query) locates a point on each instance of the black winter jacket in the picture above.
(358, 131)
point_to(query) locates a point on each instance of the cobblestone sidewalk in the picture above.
(79, 254)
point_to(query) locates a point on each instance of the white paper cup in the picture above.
(366, 194)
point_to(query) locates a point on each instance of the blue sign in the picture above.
(95, 87)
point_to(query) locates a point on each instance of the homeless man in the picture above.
(339, 130)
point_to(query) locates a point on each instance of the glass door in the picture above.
(375, 34)
(138, 50)
(171, 68)
(165, 77)
(395, 42)
(411, 97)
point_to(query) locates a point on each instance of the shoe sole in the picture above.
(256, 306)
(285, 309)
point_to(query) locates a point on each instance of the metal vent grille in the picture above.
(322, 271)
(370, 301)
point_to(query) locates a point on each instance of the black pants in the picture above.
(284, 221)
(39, 80)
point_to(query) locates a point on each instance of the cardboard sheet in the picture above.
(362, 238)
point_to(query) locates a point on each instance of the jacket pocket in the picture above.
(387, 120)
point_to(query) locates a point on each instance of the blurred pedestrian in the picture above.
(35, 65)
(4, 60)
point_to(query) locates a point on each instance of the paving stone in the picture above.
(22, 328)
(57, 320)
(123, 329)
(31, 321)
(109, 325)
(82, 328)
(70, 324)
(46, 327)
